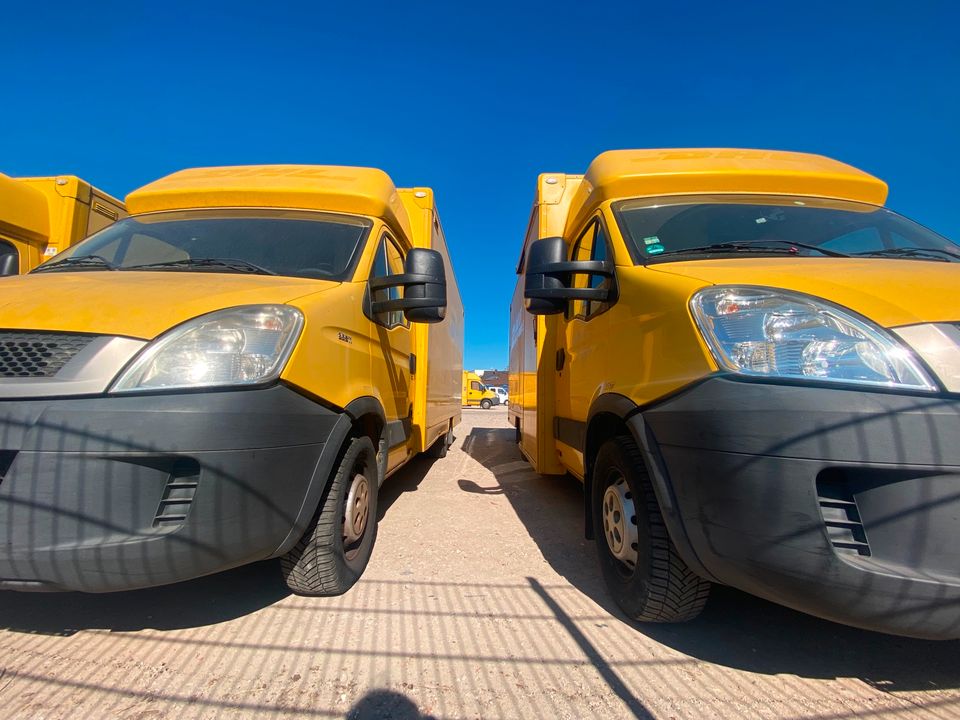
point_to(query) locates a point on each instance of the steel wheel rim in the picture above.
(619, 515)
(356, 513)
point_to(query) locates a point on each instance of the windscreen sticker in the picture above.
(652, 240)
(655, 249)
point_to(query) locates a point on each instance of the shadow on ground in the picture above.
(195, 603)
(736, 629)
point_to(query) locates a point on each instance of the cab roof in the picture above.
(618, 174)
(333, 188)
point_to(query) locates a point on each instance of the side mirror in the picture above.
(9, 262)
(424, 283)
(549, 277)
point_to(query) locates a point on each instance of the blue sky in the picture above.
(476, 101)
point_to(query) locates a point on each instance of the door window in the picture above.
(388, 261)
(591, 245)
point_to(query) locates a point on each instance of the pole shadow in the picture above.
(736, 630)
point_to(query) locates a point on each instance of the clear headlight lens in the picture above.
(238, 346)
(777, 333)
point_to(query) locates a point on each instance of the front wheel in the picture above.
(486, 404)
(641, 567)
(335, 549)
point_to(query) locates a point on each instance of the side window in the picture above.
(591, 245)
(474, 385)
(388, 261)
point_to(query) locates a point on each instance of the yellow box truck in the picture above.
(41, 216)
(754, 368)
(475, 393)
(225, 376)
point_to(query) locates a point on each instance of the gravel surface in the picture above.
(482, 600)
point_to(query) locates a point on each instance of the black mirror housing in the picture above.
(427, 300)
(541, 288)
(548, 279)
(424, 283)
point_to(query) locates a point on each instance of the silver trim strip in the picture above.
(89, 372)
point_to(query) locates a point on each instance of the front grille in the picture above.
(33, 354)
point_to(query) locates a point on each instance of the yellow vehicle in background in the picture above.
(227, 375)
(754, 368)
(474, 393)
(39, 217)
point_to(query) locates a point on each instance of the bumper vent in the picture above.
(6, 461)
(178, 494)
(31, 354)
(838, 507)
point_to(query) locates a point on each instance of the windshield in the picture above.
(274, 242)
(704, 226)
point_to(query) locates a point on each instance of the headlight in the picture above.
(239, 346)
(766, 332)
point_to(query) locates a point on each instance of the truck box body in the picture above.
(754, 368)
(269, 344)
(39, 217)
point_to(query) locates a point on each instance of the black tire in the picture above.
(486, 404)
(441, 445)
(325, 561)
(659, 587)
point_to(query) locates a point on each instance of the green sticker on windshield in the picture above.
(652, 240)
(655, 249)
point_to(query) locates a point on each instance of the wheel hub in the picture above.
(620, 522)
(357, 510)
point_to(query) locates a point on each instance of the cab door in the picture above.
(582, 362)
(391, 354)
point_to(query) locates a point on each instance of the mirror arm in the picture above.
(390, 281)
(599, 294)
(382, 306)
(577, 267)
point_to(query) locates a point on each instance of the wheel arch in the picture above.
(613, 414)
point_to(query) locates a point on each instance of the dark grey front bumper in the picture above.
(113, 493)
(841, 503)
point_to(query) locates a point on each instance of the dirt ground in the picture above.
(482, 600)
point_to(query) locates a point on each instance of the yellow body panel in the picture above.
(619, 174)
(134, 304)
(333, 188)
(39, 217)
(646, 346)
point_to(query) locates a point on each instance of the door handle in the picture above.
(561, 359)
(413, 364)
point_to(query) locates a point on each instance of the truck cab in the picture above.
(475, 394)
(227, 375)
(753, 366)
(41, 216)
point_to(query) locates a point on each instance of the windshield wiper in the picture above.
(762, 246)
(88, 262)
(227, 263)
(925, 253)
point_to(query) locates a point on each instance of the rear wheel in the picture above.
(441, 445)
(335, 549)
(486, 404)
(641, 567)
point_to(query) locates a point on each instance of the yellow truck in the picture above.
(474, 393)
(754, 368)
(41, 216)
(227, 375)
